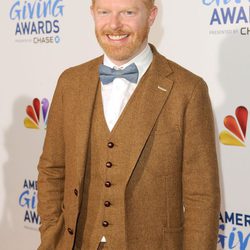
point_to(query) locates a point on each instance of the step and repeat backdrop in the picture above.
(40, 38)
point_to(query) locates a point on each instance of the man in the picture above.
(129, 159)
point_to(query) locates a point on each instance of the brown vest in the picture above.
(103, 212)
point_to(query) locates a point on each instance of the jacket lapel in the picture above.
(152, 94)
(88, 83)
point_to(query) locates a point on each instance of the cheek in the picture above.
(100, 23)
(138, 25)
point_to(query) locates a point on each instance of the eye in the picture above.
(102, 12)
(129, 13)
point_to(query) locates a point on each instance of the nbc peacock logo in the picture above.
(37, 114)
(237, 128)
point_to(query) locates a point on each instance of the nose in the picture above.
(115, 22)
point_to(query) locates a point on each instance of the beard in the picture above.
(126, 51)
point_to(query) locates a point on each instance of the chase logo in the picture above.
(28, 201)
(236, 133)
(37, 21)
(37, 114)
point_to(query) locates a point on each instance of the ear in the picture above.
(152, 15)
(92, 10)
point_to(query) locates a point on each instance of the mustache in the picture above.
(115, 33)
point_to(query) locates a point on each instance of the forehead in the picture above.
(120, 3)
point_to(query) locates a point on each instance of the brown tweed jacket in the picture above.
(172, 194)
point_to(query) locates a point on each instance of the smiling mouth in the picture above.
(117, 37)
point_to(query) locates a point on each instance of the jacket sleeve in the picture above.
(201, 192)
(51, 171)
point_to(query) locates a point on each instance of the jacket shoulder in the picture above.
(182, 74)
(80, 70)
(175, 71)
(186, 82)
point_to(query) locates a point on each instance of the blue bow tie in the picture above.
(107, 74)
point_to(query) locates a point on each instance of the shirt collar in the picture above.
(142, 61)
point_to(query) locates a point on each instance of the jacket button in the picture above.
(109, 164)
(110, 144)
(105, 223)
(107, 184)
(76, 192)
(107, 203)
(70, 231)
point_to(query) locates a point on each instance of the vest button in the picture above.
(107, 203)
(109, 164)
(76, 192)
(70, 231)
(107, 184)
(105, 223)
(110, 144)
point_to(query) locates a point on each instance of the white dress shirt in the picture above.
(116, 94)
